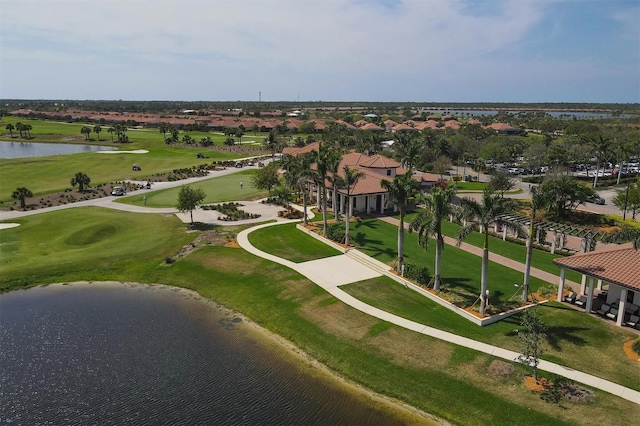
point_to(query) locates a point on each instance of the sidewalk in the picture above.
(319, 275)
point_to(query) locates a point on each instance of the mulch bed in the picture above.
(629, 352)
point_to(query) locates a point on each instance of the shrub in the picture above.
(417, 274)
(336, 233)
(636, 347)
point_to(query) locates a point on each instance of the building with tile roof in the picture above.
(617, 266)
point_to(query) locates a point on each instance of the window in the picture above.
(388, 172)
(630, 296)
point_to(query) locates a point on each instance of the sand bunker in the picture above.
(136, 151)
(8, 225)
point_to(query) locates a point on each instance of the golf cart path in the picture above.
(326, 274)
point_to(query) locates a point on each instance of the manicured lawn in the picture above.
(433, 376)
(541, 259)
(289, 243)
(573, 339)
(471, 186)
(64, 241)
(460, 270)
(218, 189)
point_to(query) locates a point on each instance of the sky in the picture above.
(322, 50)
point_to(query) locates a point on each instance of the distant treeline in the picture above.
(378, 107)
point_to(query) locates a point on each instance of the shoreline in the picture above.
(404, 413)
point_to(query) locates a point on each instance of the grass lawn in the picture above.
(541, 259)
(287, 242)
(471, 186)
(573, 339)
(439, 378)
(460, 270)
(218, 189)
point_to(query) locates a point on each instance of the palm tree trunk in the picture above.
(401, 243)
(436, 283)
(595, 179)
(347, 218)
(324, 210)
(527, 266)
(304, 207)
(485, 270)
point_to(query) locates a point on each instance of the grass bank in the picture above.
(437, 377)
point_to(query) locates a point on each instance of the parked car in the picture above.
(600, 201)
(251, 163)
(238, 164)
(260, 164)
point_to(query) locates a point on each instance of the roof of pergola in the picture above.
(574, 230)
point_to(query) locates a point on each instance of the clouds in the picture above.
(418, 50)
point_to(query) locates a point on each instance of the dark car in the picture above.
(600, 201)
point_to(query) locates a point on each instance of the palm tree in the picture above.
(349, 181)
(10, 128)
(327, 161)
(19, 128)
(27, 128)
(626, 233)
(400, 191)
(81, 180)
(429, 222)
(112, 131)
(97, 129)
(485, 212)
(602, 148)
(407, 147)
(299, 172)
(539, 200)
(20, 194)
(85, 131)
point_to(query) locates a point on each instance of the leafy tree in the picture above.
(350, 179)
(240, 133)
(441, 165)
(187, 139)
(81, 180)
(190, 198)
(86, 131)
(267, 177)
(164, 129)
(565, 194)
(428, 223)
(20, 194)
(206, 142)
(97, 129)
(175, 135)
(500, 181)
(282, 194)
(271, 143)
(628, 200)
(485, 212)
(400, 193)
(299, 172)
(10, 128)
(532, 339)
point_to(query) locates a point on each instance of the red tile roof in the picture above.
(372, 127)
(618, 265)
(380, 162)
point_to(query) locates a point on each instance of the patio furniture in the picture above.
(631, 309)
(612, 314)
(604, 309)
(582, 301)
(571, 297)
(633, 321)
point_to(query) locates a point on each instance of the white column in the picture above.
(599, 285)
(504, 233)
(562, 238)
(368, 201)
(561, 284)
(621, 307)
(553, 241)
(590, 296)
(383, 201)
(583, 284)
(495, 227)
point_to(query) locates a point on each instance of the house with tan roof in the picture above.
(367, 195)
(617, 268)
(372, 127)
(505, 129)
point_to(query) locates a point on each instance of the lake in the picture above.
(113, 353)
(15, 149)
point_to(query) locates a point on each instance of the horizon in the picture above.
(411, 51)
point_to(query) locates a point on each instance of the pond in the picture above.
(30, 149)
(114, 353)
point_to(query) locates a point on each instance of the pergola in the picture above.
(559, 231)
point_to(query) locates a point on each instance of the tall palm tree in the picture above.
(112, 131)
(327, 161)
(299, 173)
(429, 222)
(601, 150)
(97, 129)
(407, 147)
(485, 212)
(400, 192)
(349, 181)
(539, 200)
(10, 128)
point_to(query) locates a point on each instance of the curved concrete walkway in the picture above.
(331, 282)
